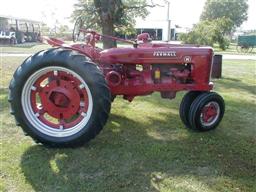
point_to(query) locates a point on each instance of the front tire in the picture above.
(206, 111)
(60, 98)
(185, 105)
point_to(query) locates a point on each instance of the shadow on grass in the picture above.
(3, 98)
(231, 79)
(126, 157)
(231, 83)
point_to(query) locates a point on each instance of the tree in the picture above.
(218, 19)
(63, 30)
(209, 32)
(111, 15)
(235, 10)
(45, 30)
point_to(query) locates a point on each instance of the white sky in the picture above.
(182, 12)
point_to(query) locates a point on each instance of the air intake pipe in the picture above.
(113, 78)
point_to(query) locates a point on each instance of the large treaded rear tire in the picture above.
(80, 66)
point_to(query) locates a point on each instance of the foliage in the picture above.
(45, 30)
(218, 19)
(111, 16)
(86, 10)
(59, 31)
(235, 10)
(209, 32)
(123, 14)
(62, 31)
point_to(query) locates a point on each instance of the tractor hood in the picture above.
(159, 55)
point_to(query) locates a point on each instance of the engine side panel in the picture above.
(179, 68)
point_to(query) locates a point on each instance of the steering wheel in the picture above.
(80, 28)
(76, 31)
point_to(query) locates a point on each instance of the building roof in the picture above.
(21, 19)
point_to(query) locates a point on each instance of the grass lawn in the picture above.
(23, 48)
(144, 146)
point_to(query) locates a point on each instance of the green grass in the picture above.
(143, 147)
(23, 48)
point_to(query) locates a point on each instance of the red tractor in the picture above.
(62, 96)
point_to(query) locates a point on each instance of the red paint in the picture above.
(60, 99)
(209, 113)
(181, 67)
(144, 37)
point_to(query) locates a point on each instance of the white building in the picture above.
(158, 22)
(157, 29)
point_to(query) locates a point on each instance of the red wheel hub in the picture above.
(209, 113)
(61, 96)
(60, 99)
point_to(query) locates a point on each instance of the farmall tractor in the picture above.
(62, 96)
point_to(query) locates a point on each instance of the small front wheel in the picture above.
(185, 106)
(206, 111)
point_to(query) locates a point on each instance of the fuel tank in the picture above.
(154, 54)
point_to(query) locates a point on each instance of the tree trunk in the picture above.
(108, 29)
(105, 9)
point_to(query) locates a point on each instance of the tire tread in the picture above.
(62, 55)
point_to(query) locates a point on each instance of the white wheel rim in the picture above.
(33, 118)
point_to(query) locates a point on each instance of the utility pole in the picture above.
(168, 21)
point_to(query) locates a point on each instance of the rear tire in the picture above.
(206, 111)
(68, 82)
(185, 105)
(113, 98)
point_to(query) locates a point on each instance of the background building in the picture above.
(25, 30)
(159, 23)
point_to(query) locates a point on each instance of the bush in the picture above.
(209, 32)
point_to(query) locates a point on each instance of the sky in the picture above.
(184, 13)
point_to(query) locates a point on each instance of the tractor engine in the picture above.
(132, 72)
(120, 75)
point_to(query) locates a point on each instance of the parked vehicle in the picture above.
(246, 43)
(7, 37)
(62, 96)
